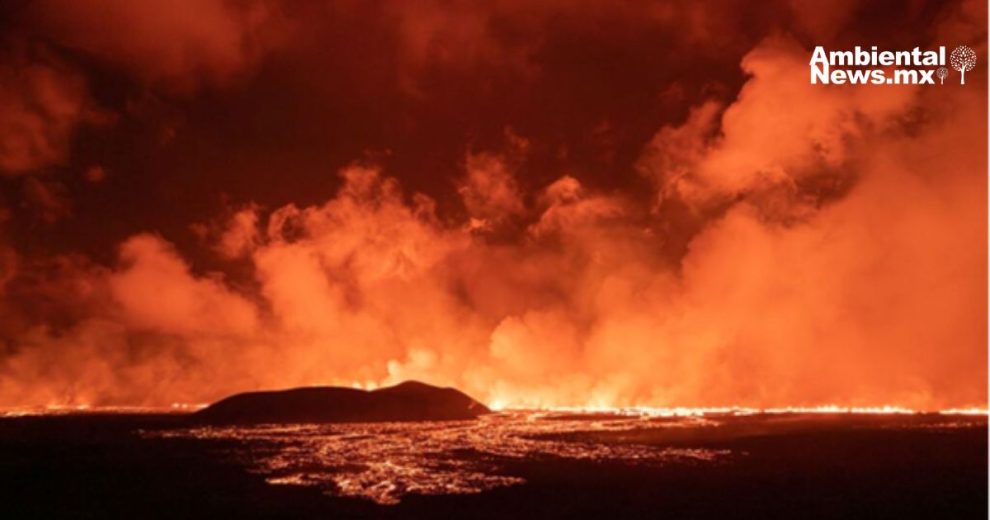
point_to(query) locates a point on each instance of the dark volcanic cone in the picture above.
(409, 401)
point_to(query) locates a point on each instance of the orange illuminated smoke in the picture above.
(609, 212)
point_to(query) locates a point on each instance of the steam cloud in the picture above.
(799, 245)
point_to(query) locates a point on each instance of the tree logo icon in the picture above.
(942, 72)
(962, 59)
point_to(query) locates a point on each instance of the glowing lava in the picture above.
(384, 461)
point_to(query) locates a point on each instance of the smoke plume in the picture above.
(768, 242)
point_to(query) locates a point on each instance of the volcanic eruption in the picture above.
(517, 258)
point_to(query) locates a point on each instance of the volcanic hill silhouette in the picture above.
(408, 401)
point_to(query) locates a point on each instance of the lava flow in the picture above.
(384, 462)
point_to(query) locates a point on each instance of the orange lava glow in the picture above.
(59, 409)
(741, 410)
(632, 411)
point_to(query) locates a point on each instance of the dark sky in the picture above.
(313, 86)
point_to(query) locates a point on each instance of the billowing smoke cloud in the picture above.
(760, 145)
(796, 245)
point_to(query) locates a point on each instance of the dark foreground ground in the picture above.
(95, 466)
